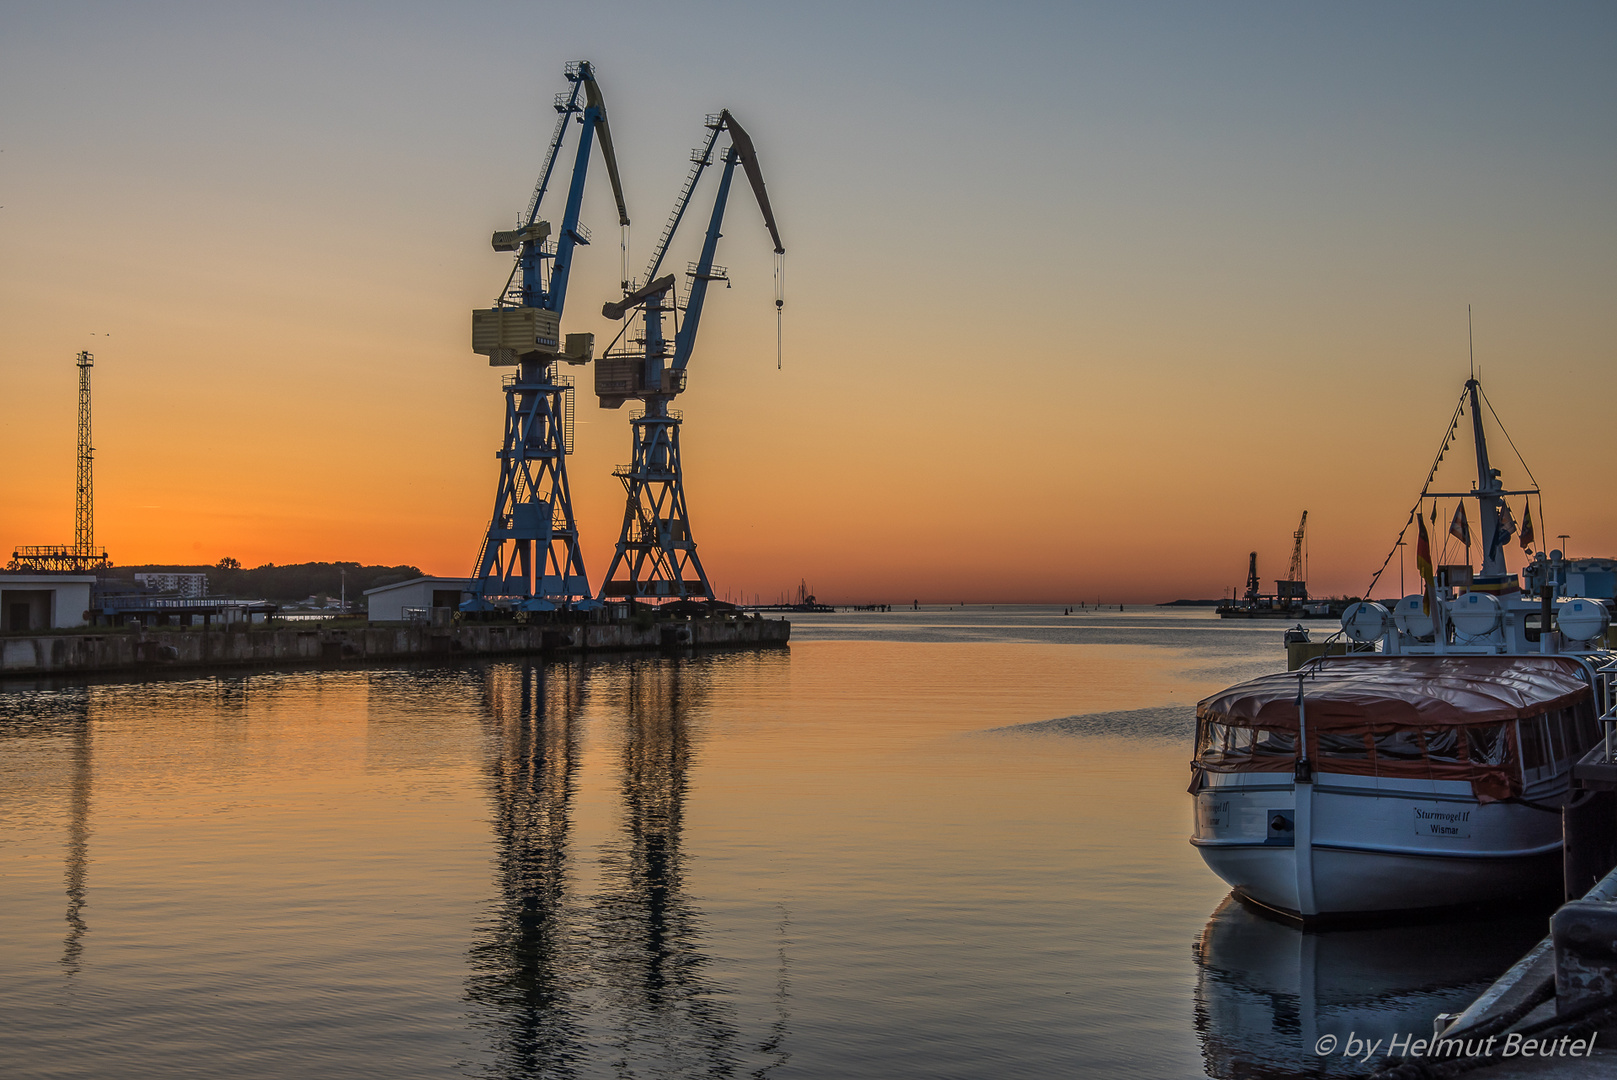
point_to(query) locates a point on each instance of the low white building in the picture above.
(43, 601)
(389, 603)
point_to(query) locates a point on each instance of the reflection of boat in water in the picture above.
(1266, 992)
(1427, 774)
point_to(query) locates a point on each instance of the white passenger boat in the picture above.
(1428, 770)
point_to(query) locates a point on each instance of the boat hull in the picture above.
(1373, 846)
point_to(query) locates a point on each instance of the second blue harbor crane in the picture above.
(656, 555)
(530, 560)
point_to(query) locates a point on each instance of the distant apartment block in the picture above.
(191, 586)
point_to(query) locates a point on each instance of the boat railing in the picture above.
(1608, 703)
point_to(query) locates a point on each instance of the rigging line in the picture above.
(1508, 439)
(1396, 547)
(499, 301)
(1447, 432)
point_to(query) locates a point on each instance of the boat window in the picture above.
(1587, 725)
(1222, 742)
(1332, 744)
(1399, 746)
(1239, 742)
(1535, 755)
(1486, 745)
(1275, 742)
(1557, 737)
(1442, 744)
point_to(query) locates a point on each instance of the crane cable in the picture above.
(623, 257)
(780, 302)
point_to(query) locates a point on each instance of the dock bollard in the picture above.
(1585, 937)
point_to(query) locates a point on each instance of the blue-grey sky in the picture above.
(1081, 298)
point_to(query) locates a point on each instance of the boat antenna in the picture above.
(1470, 341)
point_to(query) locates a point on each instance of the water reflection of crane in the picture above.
(527, 967)
(557, 974)
(668, 1018)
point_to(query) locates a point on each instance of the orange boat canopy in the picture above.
(1389, 693)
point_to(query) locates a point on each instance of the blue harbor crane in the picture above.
(656, 557)
(530, 559)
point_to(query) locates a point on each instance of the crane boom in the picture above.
(755, 176)
(741, 152)
(603, 131)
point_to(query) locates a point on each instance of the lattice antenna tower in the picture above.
(84, 508)
(81, 555)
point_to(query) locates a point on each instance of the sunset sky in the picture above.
(1083, 301)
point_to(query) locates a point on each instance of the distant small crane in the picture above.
(1295, 587)
(1297, 573)
(656, 556)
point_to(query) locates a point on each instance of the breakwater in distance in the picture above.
(136, 650)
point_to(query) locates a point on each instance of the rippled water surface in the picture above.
(934, 844)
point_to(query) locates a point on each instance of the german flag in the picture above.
(1423, 564)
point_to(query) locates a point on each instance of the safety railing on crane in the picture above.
(676, 415)
(645, 472)
(714, 273)
(555, 381)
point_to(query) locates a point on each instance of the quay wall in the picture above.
(134, 651)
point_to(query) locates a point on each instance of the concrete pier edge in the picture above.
(133, 652)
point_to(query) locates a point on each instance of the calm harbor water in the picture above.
(934, 844)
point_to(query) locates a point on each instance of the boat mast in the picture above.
(1493, 554)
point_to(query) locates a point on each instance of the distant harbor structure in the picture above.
(1290, 599)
